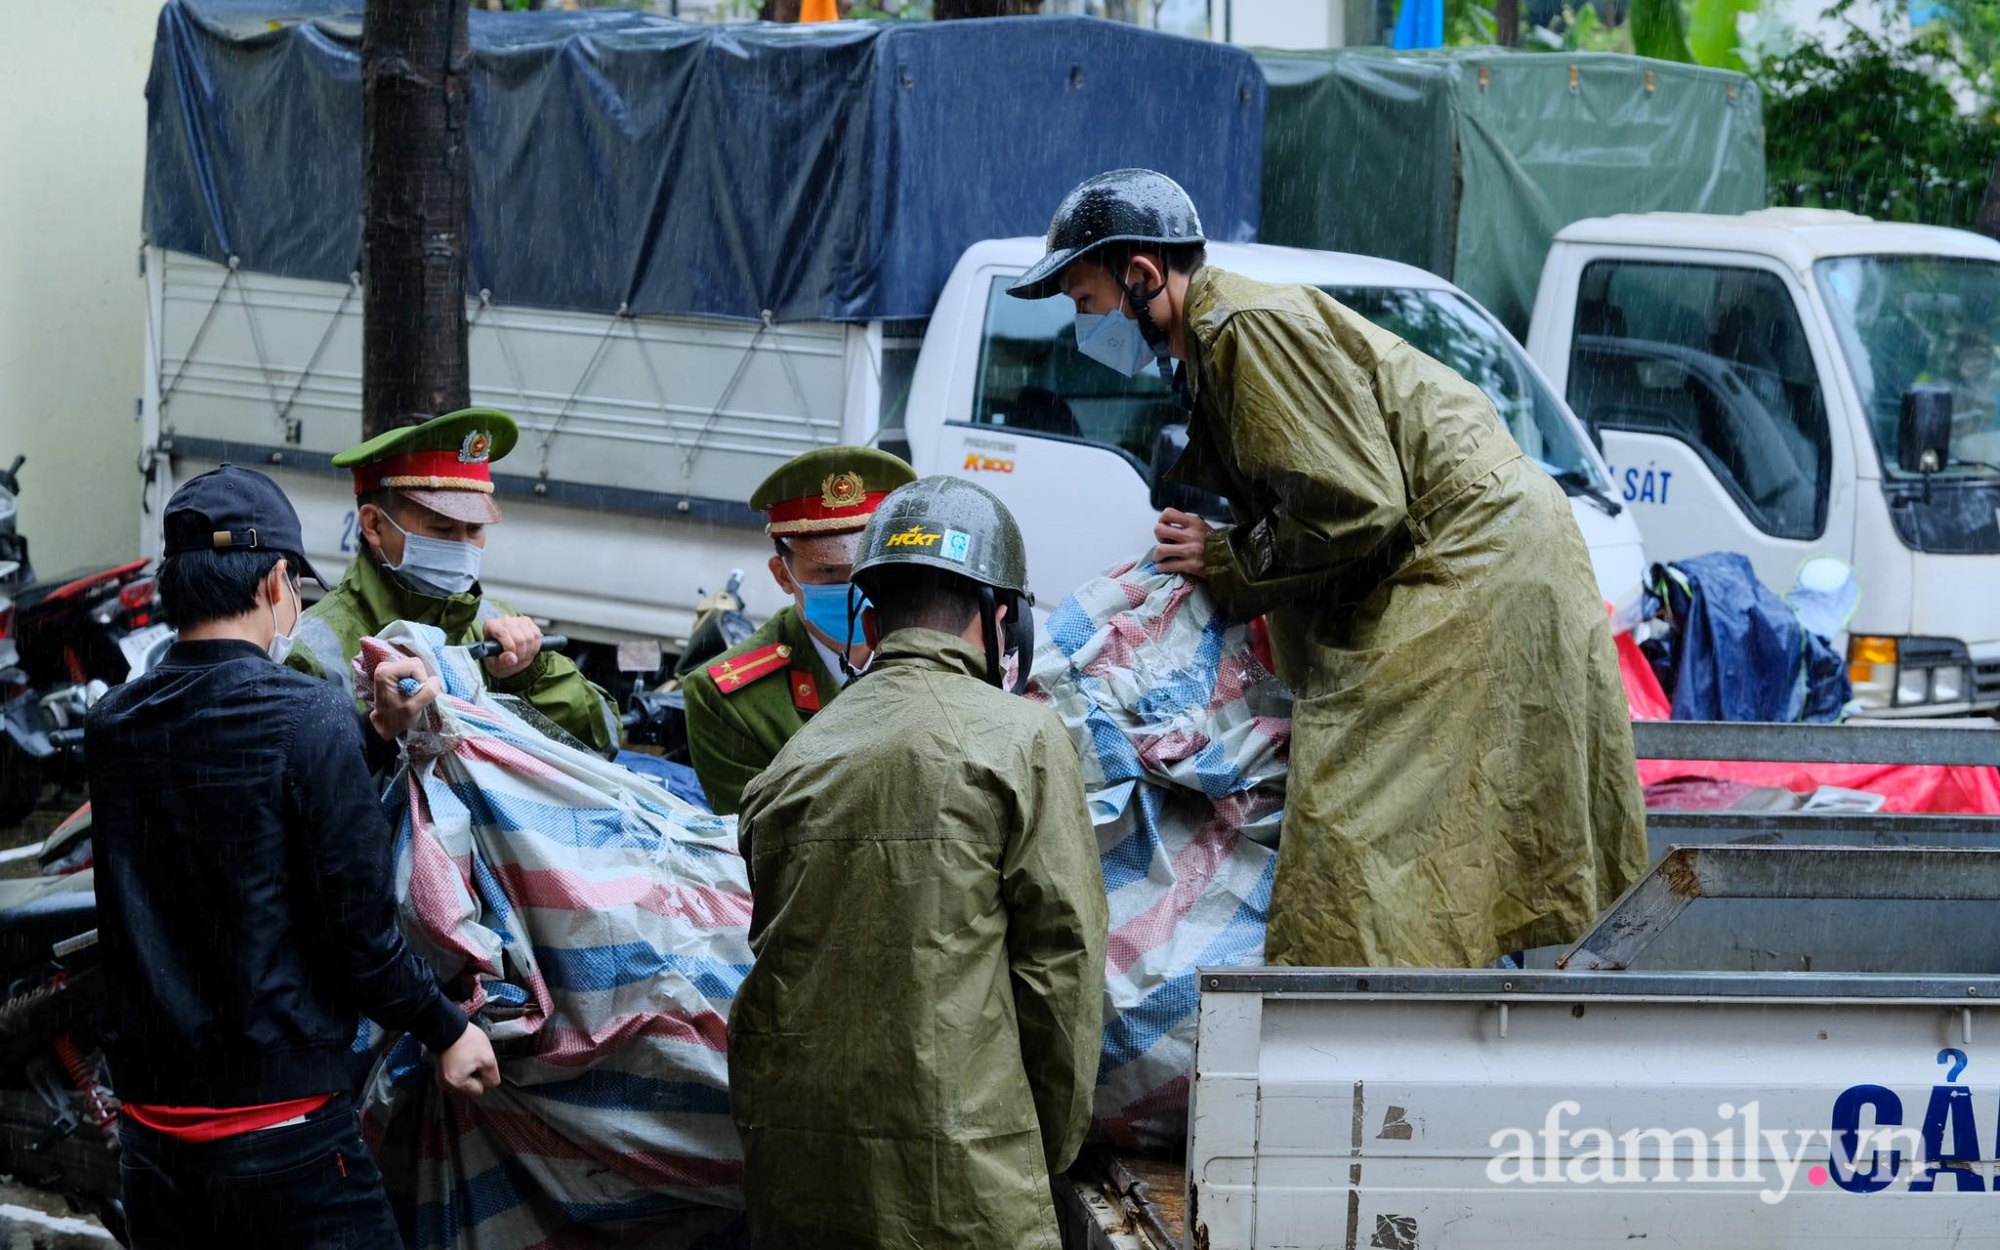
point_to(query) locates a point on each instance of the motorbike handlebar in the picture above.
(61, 738)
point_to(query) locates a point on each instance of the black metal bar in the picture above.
(1888, 743)
(1494, 983)
(1851, 828)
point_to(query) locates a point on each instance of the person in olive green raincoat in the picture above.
(424, 497)
(913, 1054)
(1461, 779)
(738, 713)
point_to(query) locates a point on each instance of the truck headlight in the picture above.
(1948, 684)
(1913, 685)
(1871, 667)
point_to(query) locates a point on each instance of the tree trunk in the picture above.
(945, 10)
(1988, 221)
(1507, 23)
(416, 61)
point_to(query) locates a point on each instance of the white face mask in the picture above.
(438, 565)
(1114, 339)
(281, 643)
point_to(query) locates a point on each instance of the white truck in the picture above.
(642, 437)
(1675, 1106)
(1759, 384)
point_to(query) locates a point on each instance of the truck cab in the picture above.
(1001, 395)
(1749, 378)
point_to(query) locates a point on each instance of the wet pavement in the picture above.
(33, 1220)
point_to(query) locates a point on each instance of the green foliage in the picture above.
(1658, 30)
(1870, 126)
(1712, 32)
(1579, 30)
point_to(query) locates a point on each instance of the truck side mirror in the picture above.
(1923, 432)
(1167, 449)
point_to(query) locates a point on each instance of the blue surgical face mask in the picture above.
(437, 565)
(826, 611)
(1114, 340)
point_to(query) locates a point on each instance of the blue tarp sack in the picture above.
(1735, 650)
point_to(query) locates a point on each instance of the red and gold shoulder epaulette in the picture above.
(734, 674)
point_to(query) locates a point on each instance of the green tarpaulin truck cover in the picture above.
(1467, 161)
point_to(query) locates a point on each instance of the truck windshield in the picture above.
(1448, 327)
(1032, 378)
(1903, 320)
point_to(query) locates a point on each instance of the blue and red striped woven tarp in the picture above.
(597, 926)
(1183, 735)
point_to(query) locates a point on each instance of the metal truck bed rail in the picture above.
(1817, 873)
(1973, 743)
(1856, 934)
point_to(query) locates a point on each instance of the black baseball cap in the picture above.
(236, 509)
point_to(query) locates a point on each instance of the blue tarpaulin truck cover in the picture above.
(620, 159)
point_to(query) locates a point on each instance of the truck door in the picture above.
(1704, 386)
(1062, 440)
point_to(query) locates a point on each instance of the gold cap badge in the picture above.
(842, 490)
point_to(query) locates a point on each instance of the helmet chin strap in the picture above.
(991, 633)
(1141, 304)
(847, 671)
(1021, 631)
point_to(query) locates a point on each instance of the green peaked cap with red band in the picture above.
(828, 490)
(445, 464)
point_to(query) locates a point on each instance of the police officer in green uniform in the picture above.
(738, 712)
(424, 497)
(913, 1054)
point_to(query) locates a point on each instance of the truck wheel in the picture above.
(20, 783)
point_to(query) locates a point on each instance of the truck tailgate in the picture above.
(1439, 1109)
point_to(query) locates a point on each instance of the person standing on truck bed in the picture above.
(914, 1051)
(423, 500)
(1462, 782)
(246, 904)
(816, 505)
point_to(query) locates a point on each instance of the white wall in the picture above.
(1280, 23)
(72, 306)
(1301, 24)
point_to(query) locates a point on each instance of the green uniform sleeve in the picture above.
(1308, 437)
(304, 661)
(1057, 917)
(725, 755)
(558, 691)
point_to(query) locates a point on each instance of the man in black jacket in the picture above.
(246, 911)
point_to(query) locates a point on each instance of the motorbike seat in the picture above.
(38, 912)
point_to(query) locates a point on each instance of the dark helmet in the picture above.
(958, 527)
(947, 523)
(1123, 206)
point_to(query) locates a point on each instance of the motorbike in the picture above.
(657, 718)
(63, 643)
(58, 1115)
